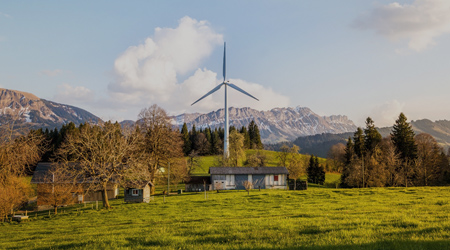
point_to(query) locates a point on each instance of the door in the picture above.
(258, 181)
(239, 181)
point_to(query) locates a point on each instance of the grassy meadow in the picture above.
(317, 218)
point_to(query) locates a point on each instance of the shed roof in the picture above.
(248, 170)
(140, 184)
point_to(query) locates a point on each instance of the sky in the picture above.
(114, 58)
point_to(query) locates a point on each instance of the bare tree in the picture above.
(104, 156)
(17, 153)
(161, 143)
(193, 162)
(248, 185)
(59, 188)
(258, 159)
(427, 163)
(296, 168)
(336, 155)
(283, 155)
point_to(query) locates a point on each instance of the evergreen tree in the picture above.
(349, 155)
(372, 137)
(216, 143)
(402, 137)
(192, 136)
(315, 172)
(255, 137)
(247, 141)
(186, 140)
(358, 139)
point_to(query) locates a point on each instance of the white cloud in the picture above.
(5, 15)
(51, 73)
(420, 23)
(385, 114)
(68, 94)
(147, 73)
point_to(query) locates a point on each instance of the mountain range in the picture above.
(275, 125)
(27, 109)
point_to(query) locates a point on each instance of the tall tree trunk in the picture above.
(295, 184)
(105, 197)
(56, 209)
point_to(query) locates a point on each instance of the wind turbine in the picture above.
(226, 84)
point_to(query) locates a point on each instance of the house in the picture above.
(45, 182)
(198, 184)
(260, 177)
(137, 191)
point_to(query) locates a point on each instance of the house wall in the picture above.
(237, 181)
(271, 183)
(111, 191)
(144, 195)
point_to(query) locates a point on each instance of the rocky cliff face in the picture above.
(27, 109)
(278, 124)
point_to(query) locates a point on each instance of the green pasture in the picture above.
(317, 218)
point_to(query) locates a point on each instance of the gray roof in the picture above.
(41, 174)
(248, 170)
(138, 184)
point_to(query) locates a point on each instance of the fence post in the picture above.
(96, 205)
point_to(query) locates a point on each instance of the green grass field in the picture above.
(317, 218)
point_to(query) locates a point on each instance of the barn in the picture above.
(44, 180)
(224, 178)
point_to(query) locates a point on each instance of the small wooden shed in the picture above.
(137, 191)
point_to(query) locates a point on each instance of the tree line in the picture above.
(210, 142)
(401, 159)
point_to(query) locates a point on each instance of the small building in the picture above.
(137, 191)
(260, 177)
(198, 184)
(45, 181)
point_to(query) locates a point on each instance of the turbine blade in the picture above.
(224, 61)
(241, 90)
(210, 92)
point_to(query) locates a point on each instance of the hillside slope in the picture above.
(29, 110)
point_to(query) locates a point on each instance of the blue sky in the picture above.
(113, 58)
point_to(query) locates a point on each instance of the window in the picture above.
(275, 178)
(135, 192)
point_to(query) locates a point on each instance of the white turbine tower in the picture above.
(225, 83)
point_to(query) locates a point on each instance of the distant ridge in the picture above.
(320, 144)
(29, 110)
(275, 125)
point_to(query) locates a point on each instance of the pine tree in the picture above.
(358, 138)
(402, 137)
(247, 141)
(186, 140)
(255, 137)
(372, 137)
(349, 154)
(192, 136)
(315, 172)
